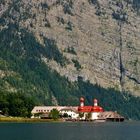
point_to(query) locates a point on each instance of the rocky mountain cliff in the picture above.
(98, 40)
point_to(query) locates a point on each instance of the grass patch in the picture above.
(28, 120)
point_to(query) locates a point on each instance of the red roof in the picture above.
(97, 109)
(90, 109)
(85, 109)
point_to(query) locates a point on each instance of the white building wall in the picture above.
(47, 109)
(94, 115)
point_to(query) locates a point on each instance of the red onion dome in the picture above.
(95, 101)
(82, 99)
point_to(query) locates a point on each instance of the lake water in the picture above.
(70, 131)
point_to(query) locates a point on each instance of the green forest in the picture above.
(28, 81)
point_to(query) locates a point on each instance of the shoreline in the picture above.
(25, 120)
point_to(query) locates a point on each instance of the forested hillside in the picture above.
(27, 81)
(52, 53)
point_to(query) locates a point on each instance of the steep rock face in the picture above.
(99, 39)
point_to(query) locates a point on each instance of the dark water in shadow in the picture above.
(70, 131)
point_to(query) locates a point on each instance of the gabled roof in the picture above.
(74, 109)
(42, 108)
(109, 115)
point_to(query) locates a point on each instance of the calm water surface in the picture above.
(70, 131)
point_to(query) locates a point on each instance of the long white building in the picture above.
(69, 110)
(81, 112)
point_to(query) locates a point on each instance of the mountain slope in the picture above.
(98, 38)
(56, 51)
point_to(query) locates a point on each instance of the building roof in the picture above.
(46, 108)
(109, 115)
(90, 109)
(97, 109)
(74, 109)
(85, 108)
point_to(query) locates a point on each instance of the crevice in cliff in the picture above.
(137, 81)
(122, 69)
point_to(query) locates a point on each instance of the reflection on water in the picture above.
(70, 131)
